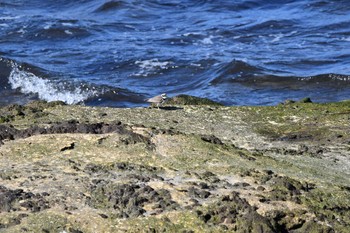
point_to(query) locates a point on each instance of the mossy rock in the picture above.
(191, 100)
(41, 104)
(305, 100)
(4, 119)
(236, 214)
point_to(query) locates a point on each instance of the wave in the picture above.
(18, 84)
(29, 83)
(244, 73)
(233, 71)
(110, 5)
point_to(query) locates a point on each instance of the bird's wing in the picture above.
(155, 99)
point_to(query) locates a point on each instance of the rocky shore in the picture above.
(190, 166)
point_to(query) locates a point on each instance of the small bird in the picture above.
(158, 100)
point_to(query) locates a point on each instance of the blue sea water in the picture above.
(117, 53)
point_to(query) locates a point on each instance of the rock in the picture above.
(211, 139)
(197, 193)
(129, 199)
(305, 100)
(175, 169)
(236, 214)
(14, 200)
(191, 100)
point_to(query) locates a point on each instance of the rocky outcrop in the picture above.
(179, 168)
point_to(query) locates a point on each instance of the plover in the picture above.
(158, 100)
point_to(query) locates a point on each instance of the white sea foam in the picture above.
(47, 26)
(191, 34)
(345, 38)
(68, 32)
(47, 90)
(207, 40)
(67, 24)
(152, 66)
(277, 37)
(9, 17)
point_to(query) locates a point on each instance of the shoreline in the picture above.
(191, 166)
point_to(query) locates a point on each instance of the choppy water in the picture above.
(117, 53)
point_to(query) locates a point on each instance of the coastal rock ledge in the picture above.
(179, 168)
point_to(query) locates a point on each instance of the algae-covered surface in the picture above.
(179, 168)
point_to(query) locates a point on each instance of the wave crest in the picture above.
(29, 83)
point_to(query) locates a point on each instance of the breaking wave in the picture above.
(28, 83)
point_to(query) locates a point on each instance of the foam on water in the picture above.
(151, 66)
(236, 52)
(28, 83)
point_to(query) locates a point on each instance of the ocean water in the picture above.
(117, 53)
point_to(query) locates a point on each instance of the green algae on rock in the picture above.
(191, 100)
(189, 168)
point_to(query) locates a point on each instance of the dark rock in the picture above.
(296, 137)
(129, 199)
(75, 231)
(212, 139)
(241, 185)
(244, 155)
(285, 188)
(236, 214)
(203, 185)
(70, 147)
(11, 200)
(198, 193)
(74, 126)
(209, 176)
(305, 100)
(7, 132)
(268, 172)
(138, 177)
